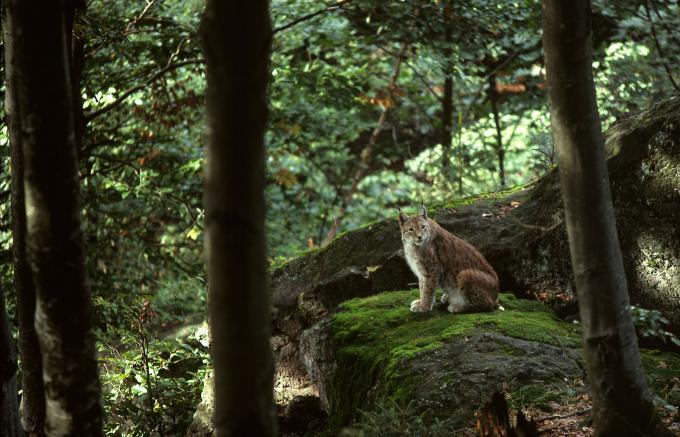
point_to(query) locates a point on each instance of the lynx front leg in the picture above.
(426, 301)
(416, 303)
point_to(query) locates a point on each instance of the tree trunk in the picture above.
(622, 402)
(33, 391)
(447, 99)
(53, 238)
(236, 38)
(9, 411)
(500, 151)
(76, 56)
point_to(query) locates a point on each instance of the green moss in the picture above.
(374, 334)
(494, 195)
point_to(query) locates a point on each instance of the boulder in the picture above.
(375, 351)
(374, 354)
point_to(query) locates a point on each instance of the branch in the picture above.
(338, 5)
(564, 416)
(149, 3)
(418, 74)
(366, 154)
(659, 49)
(127, 93)
(670, 31)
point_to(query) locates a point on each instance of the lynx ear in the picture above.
(423, 211)
(402, 217)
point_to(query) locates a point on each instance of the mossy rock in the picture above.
(375, 352)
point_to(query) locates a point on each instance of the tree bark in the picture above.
(76, 56)
(622, 402)
(9, 410)
(500, 151)
(45, 120)
(33, 392)
(447, 99)
(236, 39)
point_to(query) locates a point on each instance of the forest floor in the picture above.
(574, 420)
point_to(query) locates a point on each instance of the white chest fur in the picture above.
(413, 260)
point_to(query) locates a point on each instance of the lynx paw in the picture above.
(445, 298)
(416, 307)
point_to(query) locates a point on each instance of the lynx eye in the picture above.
(411, 229)
(422, 227)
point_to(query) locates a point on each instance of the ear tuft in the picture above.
(402, 217)
(423, 211)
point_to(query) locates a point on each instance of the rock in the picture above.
(202, 425)
(375, 351)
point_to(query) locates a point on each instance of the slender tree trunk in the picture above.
(33, 392)
(447, 99)
(54, 241)
(500, 151)
(447, 125)
(76, 56)
(9, 410)
(366, 156)
(236, 39)
(622, 402)
(461, 165)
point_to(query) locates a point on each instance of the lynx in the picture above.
(440, 259)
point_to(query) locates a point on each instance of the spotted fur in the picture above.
(441, 260)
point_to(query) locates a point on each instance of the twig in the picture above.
(564, 416)
(127, 93)
(149, 3)
(536, 227)
(659, 49)
(297, 21)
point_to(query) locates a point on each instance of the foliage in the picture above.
(651, 325)
(152, 385)
(391, 419)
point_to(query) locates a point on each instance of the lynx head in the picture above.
(415, 230)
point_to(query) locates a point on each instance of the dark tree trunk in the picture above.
(44, 105)
(447, 99)
(236, 38)
(9, 410)
(622, 402)
(33, 392)
(500, 151)
(76, 56)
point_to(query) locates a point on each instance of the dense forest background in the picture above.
(373, 105)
